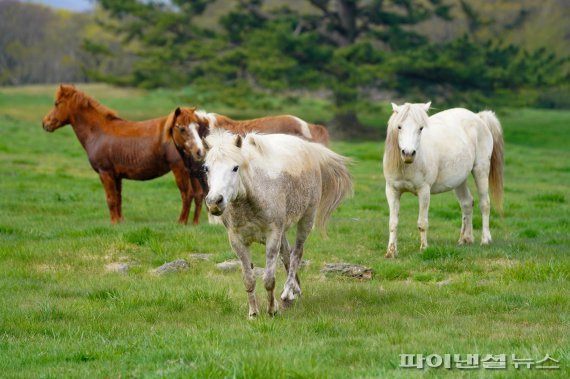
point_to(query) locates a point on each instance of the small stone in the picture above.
(177, 265)
(229, 265)
(348, 269)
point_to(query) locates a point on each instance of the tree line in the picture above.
(351, 49)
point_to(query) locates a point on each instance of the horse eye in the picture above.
(399, 127)
(55, 104)
(205, 168)
(235, 168)
(422, 128)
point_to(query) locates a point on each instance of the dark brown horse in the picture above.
(120, 149)
(190, 125)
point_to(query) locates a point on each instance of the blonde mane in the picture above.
(392, 159)
(273, 153)
(81, 99)
(222, 145)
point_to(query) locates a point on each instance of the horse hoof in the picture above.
(465, 241)
(392, 252)
(252, 316)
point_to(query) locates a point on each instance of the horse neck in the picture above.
(229, 124)
(87, 124)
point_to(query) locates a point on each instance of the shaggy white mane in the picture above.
(273, 153)
(416, 112)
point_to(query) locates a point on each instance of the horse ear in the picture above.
(395, 108)
(239, 140)
(169, 123)
(427, 105)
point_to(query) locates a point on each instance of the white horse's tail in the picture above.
(497, 157)
(336, 185)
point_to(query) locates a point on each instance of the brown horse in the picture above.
(190, 125)
(119, 149)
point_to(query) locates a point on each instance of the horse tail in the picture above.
(319, 134)
(336, 185)
(497, 157)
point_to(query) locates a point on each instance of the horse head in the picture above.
(61, 112)
(407, 124)
(222, 166)
(187, 130)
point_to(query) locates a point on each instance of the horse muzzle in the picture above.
(216, 205)
(408, 156)
(198, 155)
(50, 125)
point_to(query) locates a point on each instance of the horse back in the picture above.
(133, 150)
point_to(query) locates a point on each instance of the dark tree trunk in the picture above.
(345, 123)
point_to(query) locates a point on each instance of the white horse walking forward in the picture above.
(263, 184)
(426, 155)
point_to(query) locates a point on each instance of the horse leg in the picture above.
(424, 198)
(119, 189)
(198, 198)
(466, 203)
(242, 251)
(272, 247)
(183, 182)
(481, 175)
(292, 284)
(112, 188)
(285, 254)
(393, 198)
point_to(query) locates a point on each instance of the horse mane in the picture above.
(273, 153)
(211, 118)
(222, 144)
(281, 152)
(83, 100)
(392, 159)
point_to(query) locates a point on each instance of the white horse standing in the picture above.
(263, 184)
(426, 155)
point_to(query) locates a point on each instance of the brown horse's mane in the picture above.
(81, 99)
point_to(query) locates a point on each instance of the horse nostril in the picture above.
(413, 153)
(220, 200)
(403, 152)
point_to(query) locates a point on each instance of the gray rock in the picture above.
(177, 265)
(349, 270)
(229, 265)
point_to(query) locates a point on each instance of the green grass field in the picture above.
(63, 315)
